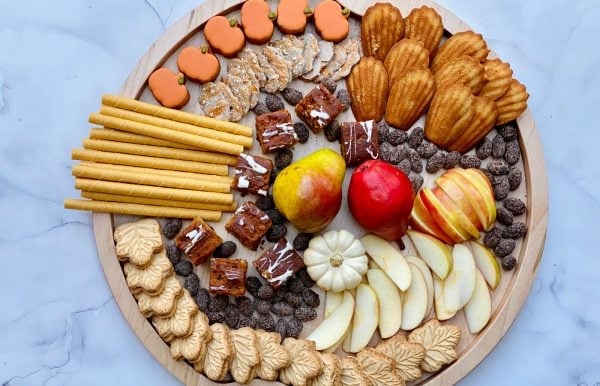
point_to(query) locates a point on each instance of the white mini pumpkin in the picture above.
(336, 260)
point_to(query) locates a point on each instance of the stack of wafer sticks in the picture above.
(149, 160)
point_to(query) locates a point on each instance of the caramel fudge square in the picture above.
(249, 224)
(198, 241)
(275, 131)
(228, 276)
(359, 142)
(251, 174)
(279, 263)
(319, 108)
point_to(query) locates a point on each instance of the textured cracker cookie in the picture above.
(379, 368)
(273, 356)
(162, 304)
(439, 342)
(218, 353)
(305, 365)
(179, 325)
(151, 279)
(138, 241)
(407, 356)
(332, 371)
(193, 347)
(352, 374)
(246, 356)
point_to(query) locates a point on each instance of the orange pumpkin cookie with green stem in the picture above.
(331, 21)
(169, 88)
(257, 21)
(224, 36)
(198, 64)
(292, 16)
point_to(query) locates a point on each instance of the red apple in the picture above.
(380, 198)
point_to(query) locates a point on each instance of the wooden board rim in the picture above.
(531, 252)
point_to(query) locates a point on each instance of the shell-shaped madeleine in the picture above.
(368, 88)
(404, 56)
(484, 118)
(464, 70)
(512, 104)
(381, 27)
(450, 112)
(425, 25)
(498, 76)
(409, 97)
(462, 43)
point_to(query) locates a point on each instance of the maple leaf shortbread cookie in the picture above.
(379, 368)
(407, 356)
(179, 325)
(151, 279)
(439, 342)
(138, 241)
(305, 365)
(273, 356)
(352, 374)
(193, 347)
(218, 353)
(164, 303)
(332, 371)
(245, 356)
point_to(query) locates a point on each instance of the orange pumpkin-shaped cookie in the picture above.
(224, 36)
(292, 16)
(168, 88)
(331, 21)
(257, 21)
(198, 64)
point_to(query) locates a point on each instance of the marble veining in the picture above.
(59, 324)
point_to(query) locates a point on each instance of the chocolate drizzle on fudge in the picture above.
(319, 108)
(251, 174)
(228, 276)
(249, 224)
(279, 263)
(359, 142)
(275, 131)
(198, 240)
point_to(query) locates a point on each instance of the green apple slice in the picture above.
(389, 259)
(390, 306)
(460, 283)
(366, 318)
(435, 253)
(414, 304)
(486, 263)
(441, 313)
(478, 309)
(419, 263)
(333, 328)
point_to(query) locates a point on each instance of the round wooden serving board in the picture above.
(507, 299)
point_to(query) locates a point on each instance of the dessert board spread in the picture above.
(317, 193)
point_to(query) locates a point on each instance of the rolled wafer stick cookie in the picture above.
(176, 115)
(243, 140)
(149, 162)
(187, 195)
(140, 210)
(166, 134)
(123, 136)
(157, 202)
(98, 173)
(161, 172)
(159, 151)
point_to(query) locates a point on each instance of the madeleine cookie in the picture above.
(368, 88)
(162, 304)
(138, 241)
(439, 342)
(484, 118)
(245, 356)
(462, 43)
(273, 356)
(512, 104)
(305, 362)
(425, 25)
(404, 56)
(498, 76)
(462, 70)
(449, 114)
(151, 279)
(193, 347)
(381, 27)
(178, 325)
(409, 97)
(332, 371)
(218, 353)
(352, 373)
(379, 368)
(407, 356)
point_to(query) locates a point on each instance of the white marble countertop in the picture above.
(59, 323)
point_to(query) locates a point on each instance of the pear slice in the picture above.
(347, 341)
(486, 263)
(332, 349)
(366, 318)
(435, 253)
(389, 259)
(390, 306)
(441, 313)
(332, 301)
(419, 263)
(460, 283)
(414, 305)
(478, 309)
(333, 328)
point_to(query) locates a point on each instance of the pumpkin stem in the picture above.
(346, 11)
(336, 260)
(180, 78)
(272, 15)
(233, 22)
(204, 48)
(308, 11)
